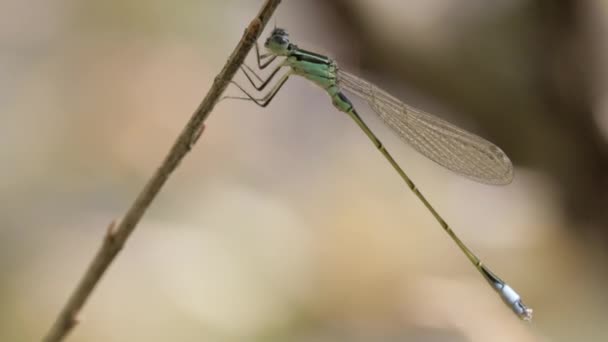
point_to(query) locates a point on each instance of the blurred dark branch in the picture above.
(117, 234)
(566, 68)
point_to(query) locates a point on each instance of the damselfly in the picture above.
(440, 141)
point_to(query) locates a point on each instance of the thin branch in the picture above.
(117, 234)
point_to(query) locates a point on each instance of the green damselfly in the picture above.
(454, 148)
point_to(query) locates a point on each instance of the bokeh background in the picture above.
(285, 223)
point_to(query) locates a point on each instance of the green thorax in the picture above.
(321, 70)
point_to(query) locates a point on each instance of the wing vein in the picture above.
(451, 147)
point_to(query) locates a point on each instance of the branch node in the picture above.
(251, 31)
(75, 320)
(111, 231)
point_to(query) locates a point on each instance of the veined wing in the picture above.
(442, 142)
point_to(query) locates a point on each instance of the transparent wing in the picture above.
(442, 142)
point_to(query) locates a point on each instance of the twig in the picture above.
(117, 234)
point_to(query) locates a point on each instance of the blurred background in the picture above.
(285, 223)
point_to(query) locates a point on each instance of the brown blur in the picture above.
(285, 223)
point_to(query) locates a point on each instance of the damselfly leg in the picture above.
(263, 100)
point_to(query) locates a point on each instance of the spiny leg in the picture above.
(266, 99)
(269, 57)
(261, 65)
(264, 82)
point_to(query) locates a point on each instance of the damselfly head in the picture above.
(278, 42)
(277, 31)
